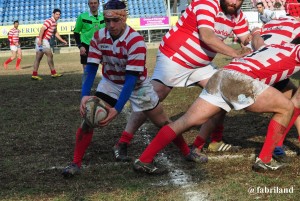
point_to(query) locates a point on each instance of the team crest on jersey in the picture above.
(104, 47)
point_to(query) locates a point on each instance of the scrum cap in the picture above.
(115, 9)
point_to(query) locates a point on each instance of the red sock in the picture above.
(53, 72)
(8, 61)
(293, 119)
(34, 73)
(164, 137)
(274, 134)
(199, 142)
(18, 62)
(83, 140)
(125, 138)
(182, 145)
(217, 134)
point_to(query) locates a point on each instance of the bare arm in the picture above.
(60, 38)
(257, 40)
(41, 35)
(209, 37)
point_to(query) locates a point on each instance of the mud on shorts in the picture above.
(142, 98)
(229, 89)
(172, 74)
(44, 47)
(14, 48)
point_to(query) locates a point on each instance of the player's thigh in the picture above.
(161, 89)
(198, 113)
(157, 115)
(271, 100)
(296, 98)
(39, 55)
(48, 52)
(13, 54)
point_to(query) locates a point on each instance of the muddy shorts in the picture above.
(44, 47)
(172, 74)
(142, 98)
(229, 89)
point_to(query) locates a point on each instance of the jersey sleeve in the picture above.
(10, 36)
(47, 24)
(206, 12)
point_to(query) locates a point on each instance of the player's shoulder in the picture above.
(131, 33)
(267, 11)
(84, 14)
(206, 2)
(201, 3)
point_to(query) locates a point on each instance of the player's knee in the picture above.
(296, 100)
(289, 108)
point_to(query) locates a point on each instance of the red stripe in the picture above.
(135, 62)
(206, 22)
(94, 55)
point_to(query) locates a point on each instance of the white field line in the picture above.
(177, 176)
(69, 90)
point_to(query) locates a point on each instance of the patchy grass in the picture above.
(37, 135)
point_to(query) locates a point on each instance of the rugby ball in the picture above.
(95, 112)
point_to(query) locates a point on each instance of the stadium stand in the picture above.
(36, 11)
(293, 7)
(271, 4)
(146, 8)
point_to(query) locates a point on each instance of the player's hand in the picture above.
(39, 42)
(243, 52)
(83, 104)
(65, 42)
(247, 40)
(82, 50)
(112, 113)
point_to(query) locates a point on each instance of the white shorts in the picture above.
(14, 48)
(45, 45)
(174, 75)
(229, 89)
(142, 98)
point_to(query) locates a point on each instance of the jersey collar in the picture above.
(91, 14)
(121, 37)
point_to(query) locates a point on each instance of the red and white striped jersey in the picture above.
(13, 36)
(50, 25)
(269, 64)
(126, 53)
(182, 43)
(284, 29)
